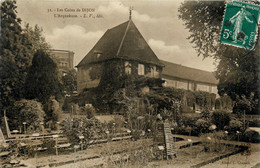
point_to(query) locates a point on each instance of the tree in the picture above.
(42, 79)
(69, 82)
(29, 111)
(16, 55)
(36, 37)
(53, 112)
(238, 68)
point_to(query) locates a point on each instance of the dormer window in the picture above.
(97, 54)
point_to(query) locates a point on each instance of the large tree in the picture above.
(238, 68)
(42, 79)
(15, 55)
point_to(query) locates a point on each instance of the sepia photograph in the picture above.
(129, 84)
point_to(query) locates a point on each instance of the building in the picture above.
(63, 59)
(187, 78)
(120, 46)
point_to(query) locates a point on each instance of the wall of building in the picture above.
(190, 85)
(88, 76)
(176, 83)
(142, 69)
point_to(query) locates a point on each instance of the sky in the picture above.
(156, 20)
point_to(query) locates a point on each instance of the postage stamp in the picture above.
(240, 25)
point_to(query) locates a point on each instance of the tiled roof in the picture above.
(123, 41)
(187, 73)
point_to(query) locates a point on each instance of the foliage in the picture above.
(167, 102)
(212, 141)
(50, 145)
(251, 136)
(202, 125)
(220, 118)
(237, 69)
(89, 128)
(35, 36)
(53, 112)
(224, 102)
(204, 99)
(16, 54)
(42, 79)
(235, 125)
(69, 82)
(246, 105)
(89, 111)
(29, 111)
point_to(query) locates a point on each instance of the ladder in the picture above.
(169, 146)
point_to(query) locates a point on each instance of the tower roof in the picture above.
(124, 42)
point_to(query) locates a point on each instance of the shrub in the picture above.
(220, 118)
(251, 136)
(202, 125)
(89, 128)
(235, 125)
(188, 121)
(136, 134)
(29, 111)
(89, 111)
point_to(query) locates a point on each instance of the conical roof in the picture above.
(123, 41)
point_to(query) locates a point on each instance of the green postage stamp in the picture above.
(240, 25)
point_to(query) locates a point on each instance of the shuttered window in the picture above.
(140, 69)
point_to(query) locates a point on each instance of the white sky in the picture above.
(157, 21)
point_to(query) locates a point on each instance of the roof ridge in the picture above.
(123, 38)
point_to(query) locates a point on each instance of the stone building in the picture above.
(123, 49)
(120, 46)
(63, 59)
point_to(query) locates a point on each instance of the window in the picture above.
(154, 71)
(127, 67)
(98, 55)
(140, 69)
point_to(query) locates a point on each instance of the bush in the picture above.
(251, 136)
(202, 125)
(235, 125)
(136, 134)
(88, 110)
(29, 111)
(220, 118)
(89, 128)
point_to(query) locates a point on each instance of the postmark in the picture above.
(240, 25)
